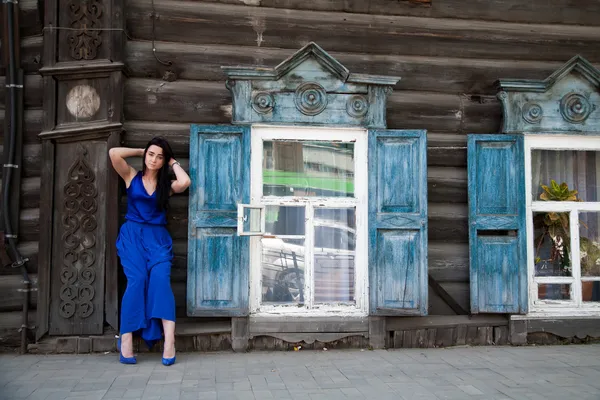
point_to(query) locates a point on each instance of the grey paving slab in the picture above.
(508, 373)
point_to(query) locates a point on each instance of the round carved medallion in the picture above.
(532, 113)
(310, 98)
(263, 102)
(575, 108)
(357, 106)
(83, 101)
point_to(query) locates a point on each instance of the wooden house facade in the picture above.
(364, 173)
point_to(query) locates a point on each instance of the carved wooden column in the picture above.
(83, 90)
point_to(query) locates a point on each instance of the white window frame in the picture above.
(359, 137)
(575, 306)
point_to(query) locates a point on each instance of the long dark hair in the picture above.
(163, 184)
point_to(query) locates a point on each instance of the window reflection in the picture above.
(308, 169)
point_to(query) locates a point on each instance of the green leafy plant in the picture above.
(556, 192)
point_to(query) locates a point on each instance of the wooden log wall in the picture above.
(31, 24)
(448, 54)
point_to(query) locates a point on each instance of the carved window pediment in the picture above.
(568, 101)
(308, 88)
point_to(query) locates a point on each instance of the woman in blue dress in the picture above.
(145, 247)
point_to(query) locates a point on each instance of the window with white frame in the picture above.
(312, 183)
(563, 223)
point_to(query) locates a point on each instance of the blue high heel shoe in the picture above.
(122, 359)
(168, 361)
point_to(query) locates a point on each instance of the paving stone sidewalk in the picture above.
(552, 372)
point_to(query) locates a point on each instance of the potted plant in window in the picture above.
(554, 240)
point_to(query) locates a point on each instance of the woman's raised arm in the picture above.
(117, 158)
(183, 179)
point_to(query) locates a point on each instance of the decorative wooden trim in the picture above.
(85, 69)
(94, 58)
(111, 292)
(262, 95)
(97, 130)
(290, 324)
(566, 328)
(530, 106)
(45, 246)
(443, 321)
(84, 42)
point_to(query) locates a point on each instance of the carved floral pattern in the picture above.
(79, 223)
(532, 113)
(84, 40)
(263, 102)
(310, 98)
(575, 108)
(357, 106)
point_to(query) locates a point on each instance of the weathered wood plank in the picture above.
(441, 291)
(139, 133)
(10, 322)
(30, 192)
(452, 75)
(210, 102)
(565, 328)
(11, 299)
(32, 125)
(444, 148)
(31, 55)
(447, 185)
(32, 157)
(259, 325)
(436, 321)
(536, 11)
(448, 222)
(29, 224)
(33, 91)
(449, 262)
(203, 23)
(437, 306)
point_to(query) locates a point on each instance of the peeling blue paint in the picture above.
(398, 222)
(218, 259)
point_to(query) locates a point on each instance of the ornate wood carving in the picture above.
(85, 17)
(83, 110)
(310, 98)
(568, 101)
(310, 87)
(79, 223)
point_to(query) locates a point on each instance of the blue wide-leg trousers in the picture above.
(146, 252)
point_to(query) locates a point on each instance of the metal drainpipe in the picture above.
(12, 85)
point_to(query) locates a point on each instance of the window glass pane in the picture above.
(252, 219)
(554, 291)
(284, 220)
(334, 254)
(552, 244)
(578, 169)
(590, 291)
(282, 270)
(589, 243)
(308, 169)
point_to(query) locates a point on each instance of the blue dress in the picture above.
(146, 251)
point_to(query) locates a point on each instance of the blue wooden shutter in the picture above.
(398, 222)
(218, 259)
(497, 235)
